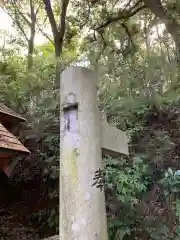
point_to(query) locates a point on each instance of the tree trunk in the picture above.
(30, 52)
(58, 51)
(32, 35)
(58, 32)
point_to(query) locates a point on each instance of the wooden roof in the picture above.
(9, 142)
(7, 111)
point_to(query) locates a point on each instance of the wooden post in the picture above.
(82, 205)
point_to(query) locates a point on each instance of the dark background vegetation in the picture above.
(134, 46)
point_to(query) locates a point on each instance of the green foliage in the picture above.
(138, 88)
(50, 218)
(171, 182)
(128, 181)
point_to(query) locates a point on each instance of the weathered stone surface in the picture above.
(82, 212)
(56, 237)
(113, 140)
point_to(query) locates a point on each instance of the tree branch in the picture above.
(37, 10)
(63, 21)
(122, 15)
(16, 21)
(32, 27)
(33, 15)
(127, 32)
(45, 34)
(16, 9)
(58, 32)
(127, 5)
(103, 48)
(136, 4)
(130, 40)
(45, 19)
(51, 17)
(172, 25)
(87, 20)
